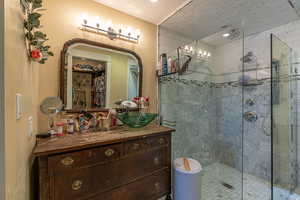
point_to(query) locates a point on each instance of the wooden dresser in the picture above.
(125, 164)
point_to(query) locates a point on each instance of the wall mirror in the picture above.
(94, 75)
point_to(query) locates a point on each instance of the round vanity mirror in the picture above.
(51, 106)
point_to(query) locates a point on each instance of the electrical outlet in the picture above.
(30, 126)
(19, 106)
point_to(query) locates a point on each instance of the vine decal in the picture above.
(38, 51)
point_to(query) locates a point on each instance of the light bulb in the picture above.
(98, 21)
(129, 30)
(186, 48)
(204, 53)
(84, 18)
(138, 33)
(209, 54)
(109, 24)
(191, 49)
(122, 29)
(200, 52)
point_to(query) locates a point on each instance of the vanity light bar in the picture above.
(200, 53)
(124, 33)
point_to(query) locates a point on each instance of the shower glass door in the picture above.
(284, 124)
(256, 118)
(204, 101)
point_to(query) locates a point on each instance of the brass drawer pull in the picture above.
(156, 161)
(90, 154)
(161, 141)
(67, 161)
(136, 146)
(109, 152)
(77, 185)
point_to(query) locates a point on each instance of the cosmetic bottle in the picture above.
(159, 67)
(170, 65)
(60, 128)
(164, 64)
(70, 126)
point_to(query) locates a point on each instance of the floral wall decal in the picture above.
(38, 51)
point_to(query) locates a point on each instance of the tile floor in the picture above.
(221, 182)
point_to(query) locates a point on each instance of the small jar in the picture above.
(60, 128)
(106, 123)
(70, 126)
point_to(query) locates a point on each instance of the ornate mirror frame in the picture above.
(75, 41)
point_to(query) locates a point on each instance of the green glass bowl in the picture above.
(136, 119)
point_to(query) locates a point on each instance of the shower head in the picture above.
(234, 33)
(248, 58)
(231, 33)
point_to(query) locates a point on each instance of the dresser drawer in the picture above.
(83, 182)
(65, 162)
(135, 146)
(150, 188)
(158, 141)
(146, 143)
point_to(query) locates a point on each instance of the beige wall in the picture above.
(119, 78)
(20, 77)
(35, 82)
(62, 20)
(2, 172)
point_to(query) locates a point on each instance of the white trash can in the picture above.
(186, 179)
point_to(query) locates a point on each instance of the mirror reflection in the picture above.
(96, 77)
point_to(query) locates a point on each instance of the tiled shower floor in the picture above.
(221, 182)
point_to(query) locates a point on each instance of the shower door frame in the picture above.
(291, 120)
(272, 119)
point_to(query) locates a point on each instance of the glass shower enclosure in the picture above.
(233, 104)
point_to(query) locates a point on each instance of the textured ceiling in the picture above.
(144, 9)
(204, 18)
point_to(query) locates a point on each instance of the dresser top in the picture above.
(81, 141)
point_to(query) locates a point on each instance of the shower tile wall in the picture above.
(229, 126)
(209, 125)
(257, 135)
(194, 112)
(256, 140)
